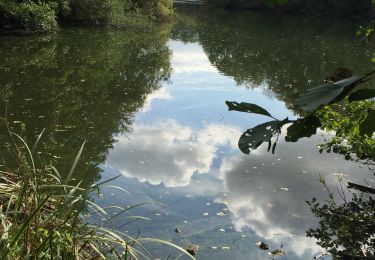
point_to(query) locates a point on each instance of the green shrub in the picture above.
(43, 15)
(29, 15)
(98, 12)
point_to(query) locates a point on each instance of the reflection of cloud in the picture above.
(161, 93)
(168, 153)
(189, 58)
(267, 193)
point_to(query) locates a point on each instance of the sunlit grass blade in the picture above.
(37, 141)
(75, 163)
(117, 187)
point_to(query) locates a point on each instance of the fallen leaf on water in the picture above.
(263, 245)
(192, 249)
(277, 252)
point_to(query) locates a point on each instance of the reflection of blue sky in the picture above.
(185, 142)
(199, 93)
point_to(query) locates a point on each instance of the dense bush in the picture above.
(44, 14)
(30, 15)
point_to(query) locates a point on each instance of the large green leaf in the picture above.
(247, 107)
(368, 125)
(303, 127)
(254, 137)
(362, 94)
(326, 94)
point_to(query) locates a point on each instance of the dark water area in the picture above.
(151, 107)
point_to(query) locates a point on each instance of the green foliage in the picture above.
(353, 123)
(158, 9)
(97, 12)
(345, 121)
(345, 229)
(314, 98)
(32, 15)
(44, 15)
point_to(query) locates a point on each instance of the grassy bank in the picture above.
(41, 214)
(47, 15)
(45, 216)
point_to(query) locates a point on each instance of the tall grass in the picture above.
(42, 214)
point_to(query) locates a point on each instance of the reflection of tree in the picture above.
(257, 50)
(285, 55)
(346, 229)
(185, 28)
(79, 85)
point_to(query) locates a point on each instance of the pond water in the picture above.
(151, 107)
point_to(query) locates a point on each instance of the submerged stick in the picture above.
(362, 188)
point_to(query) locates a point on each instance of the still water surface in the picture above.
(152, 108)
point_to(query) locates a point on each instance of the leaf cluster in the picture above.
(346, 229)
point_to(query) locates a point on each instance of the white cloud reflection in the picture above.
(265, 193)
(161, 93)
(169, 153)
(189, 57)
